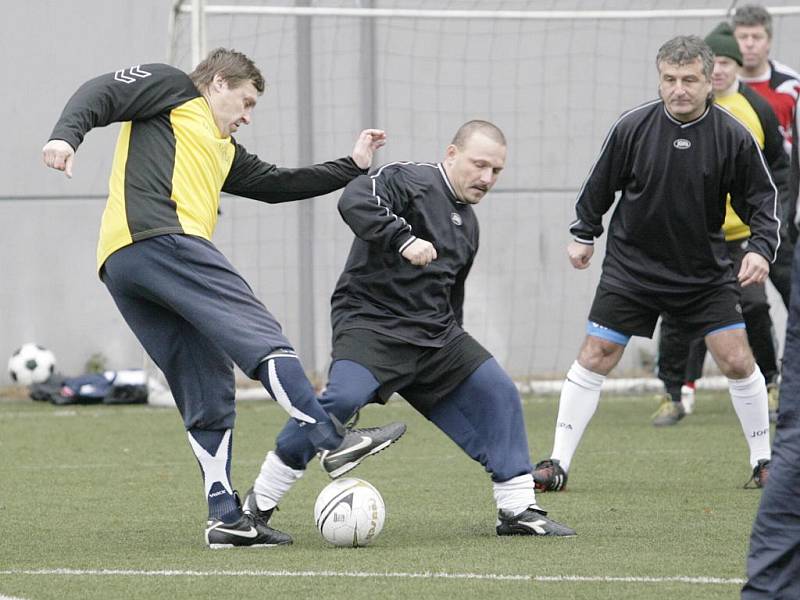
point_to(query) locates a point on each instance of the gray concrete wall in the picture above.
(554, 88)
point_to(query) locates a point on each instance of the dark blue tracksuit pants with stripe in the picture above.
(196, 317)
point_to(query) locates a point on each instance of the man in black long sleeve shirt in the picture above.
(190, 309)
(397, 314)
(675, 161)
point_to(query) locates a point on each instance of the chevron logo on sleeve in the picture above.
(131, 74)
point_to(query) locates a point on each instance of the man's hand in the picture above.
(579, 254)
(58, 154)
(420, 253)
(755, 269)
(368, 141)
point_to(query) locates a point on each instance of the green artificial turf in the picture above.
(105, 502)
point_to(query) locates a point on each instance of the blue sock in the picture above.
(213, 451)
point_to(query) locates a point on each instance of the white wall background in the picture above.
(555, 88)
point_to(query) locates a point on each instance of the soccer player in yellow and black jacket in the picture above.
(190, 309)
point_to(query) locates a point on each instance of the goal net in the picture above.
(553, 75)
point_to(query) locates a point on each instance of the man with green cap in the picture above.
(682, 353)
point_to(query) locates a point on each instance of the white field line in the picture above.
(365, 575)
(2, 597)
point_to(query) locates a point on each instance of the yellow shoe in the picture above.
(668, 413)
(772, 401)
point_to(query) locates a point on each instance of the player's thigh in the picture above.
(623, 313)
(614, 317)
(486, 402)
(350, 387)
(199, 373)
(190, 276)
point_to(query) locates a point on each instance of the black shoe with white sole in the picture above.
(531, 521)
(357, 445)
(248, 531)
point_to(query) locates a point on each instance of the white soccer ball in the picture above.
(349, 512)
(31, 364)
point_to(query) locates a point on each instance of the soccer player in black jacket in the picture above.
(397, 326)
(674, 160)
(190, 309)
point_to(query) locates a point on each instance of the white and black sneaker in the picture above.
(357, 445)
(531, 521)
(248, 531)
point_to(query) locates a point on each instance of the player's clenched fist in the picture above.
(579, 254)
(420, 253)
(58, 154)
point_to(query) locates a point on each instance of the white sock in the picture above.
(749, 397)
(275, 479)
(579, 397)
(516, 494)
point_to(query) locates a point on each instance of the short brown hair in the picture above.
(469, 128)
(685, 49)
(752, 15)
(234, 67)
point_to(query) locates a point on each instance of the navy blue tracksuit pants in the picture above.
(483, 415)
(195, 316)
(773, 562)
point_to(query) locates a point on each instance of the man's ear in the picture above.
(219, 82)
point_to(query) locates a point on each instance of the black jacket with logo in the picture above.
(666, 232)
(379, 289)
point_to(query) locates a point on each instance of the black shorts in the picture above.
(422, 375)
(635, 313)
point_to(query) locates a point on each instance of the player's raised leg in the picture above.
(350, 387)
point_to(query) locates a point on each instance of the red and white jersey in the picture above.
(780, 86)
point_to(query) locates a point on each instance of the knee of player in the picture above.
(600, 355)
(736, 362)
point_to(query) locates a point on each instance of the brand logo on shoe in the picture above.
(364, 443)
(245, 533)
(536, 526)
(682, 144)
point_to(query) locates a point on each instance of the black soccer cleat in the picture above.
(760, 475)
(532, 521)
(248, 531)
(357, 445)
(250, 507)
(549, 476)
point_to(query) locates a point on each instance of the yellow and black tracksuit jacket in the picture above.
(171, 162)
(757, 115)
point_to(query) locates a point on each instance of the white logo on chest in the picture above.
(456, 219)
(682, 144)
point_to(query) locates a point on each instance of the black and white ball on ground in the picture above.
(31, 364)
(349, 512)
